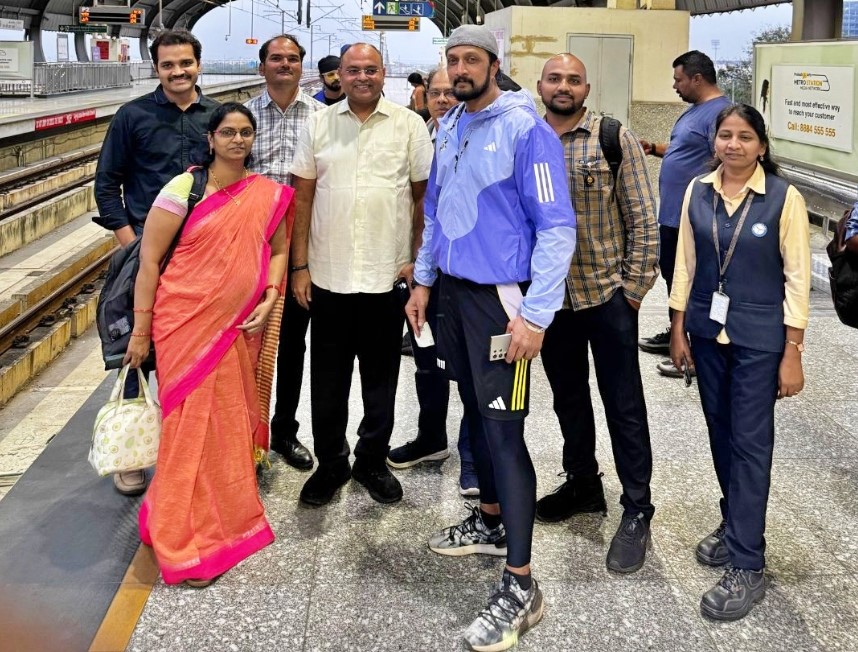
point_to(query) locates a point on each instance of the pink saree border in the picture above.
(210, 567)
(170, 399)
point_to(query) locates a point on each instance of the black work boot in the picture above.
(382, 485)
(712, 551)
(323, 484)
(578, 495)
(738, 590)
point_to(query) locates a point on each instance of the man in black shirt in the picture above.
(151, 140)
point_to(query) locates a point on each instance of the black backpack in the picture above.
(609, 141)
(114, 316)
(843, 275)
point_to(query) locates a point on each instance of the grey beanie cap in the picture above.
(476, 35)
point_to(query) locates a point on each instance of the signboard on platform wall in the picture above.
(819, 65)
(64, 119)
(16, 59)
(62, 47)
(11, 23)
(813, 104)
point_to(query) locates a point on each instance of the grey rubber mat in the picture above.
(66, 540)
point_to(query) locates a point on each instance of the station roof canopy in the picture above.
(48, 15)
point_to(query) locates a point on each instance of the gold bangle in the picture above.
(140, 334)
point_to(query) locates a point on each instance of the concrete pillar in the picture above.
(80, 47)
(824, 21)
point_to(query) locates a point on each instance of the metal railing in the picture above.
(68, 77)
(142, 70)
(230, 66)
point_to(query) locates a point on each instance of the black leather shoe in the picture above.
(294, 452)
(628, 547)
(378, 480)
(712, 551)
(734, 595)
(578, 495)
(323, 484)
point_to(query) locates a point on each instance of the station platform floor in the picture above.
(357, 576)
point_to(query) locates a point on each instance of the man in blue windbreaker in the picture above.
(498, 239)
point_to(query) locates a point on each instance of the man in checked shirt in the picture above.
(615, 264)
(280, 112)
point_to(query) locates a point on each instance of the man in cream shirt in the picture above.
(359, 172)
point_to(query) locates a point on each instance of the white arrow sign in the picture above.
(379, 7)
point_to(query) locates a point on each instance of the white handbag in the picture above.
(127, 431)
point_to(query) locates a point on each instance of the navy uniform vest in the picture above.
(755, 278)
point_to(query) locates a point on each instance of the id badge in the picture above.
(718, 309)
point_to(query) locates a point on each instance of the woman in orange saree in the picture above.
(207, 313)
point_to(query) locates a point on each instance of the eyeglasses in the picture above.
(449, 94)
(331, 75)
(369, 72)
(230, 133)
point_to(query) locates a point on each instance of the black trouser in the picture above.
(431, 383)
(433, 392)
(611, 330)
(343, 327)
(495, 396)
(738, 387)
(290, 368)
(668, 239)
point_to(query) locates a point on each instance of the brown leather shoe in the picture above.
(130, 483)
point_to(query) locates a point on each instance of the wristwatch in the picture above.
(415, 284)
(798, 345)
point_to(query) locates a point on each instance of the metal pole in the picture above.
(161, 13)
(311, 43)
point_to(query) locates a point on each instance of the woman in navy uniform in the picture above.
(741, 292)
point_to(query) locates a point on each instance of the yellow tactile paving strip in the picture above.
(121, 618)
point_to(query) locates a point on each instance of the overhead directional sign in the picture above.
(421, 9)
(88, 28)
(11, 23)
(390, 23)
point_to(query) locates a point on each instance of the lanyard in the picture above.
(732, 248)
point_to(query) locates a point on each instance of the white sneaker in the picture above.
(511, 611)
(469, 537)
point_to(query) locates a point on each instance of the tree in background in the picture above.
(734, 79)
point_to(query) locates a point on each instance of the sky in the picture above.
(223, 33)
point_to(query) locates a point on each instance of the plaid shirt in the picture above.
(277, 133)
(617, 236)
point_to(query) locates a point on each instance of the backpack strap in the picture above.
(198, 189)
(609, 141)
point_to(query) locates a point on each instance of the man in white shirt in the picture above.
(281, 111)
(360, 173)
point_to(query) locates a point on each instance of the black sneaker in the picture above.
(659, 343)
(578, 495)
(323, 484)
(734, 595)
(413, 453)
(628, 547)
(382, 485)
(511, 611)
(712, 551)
